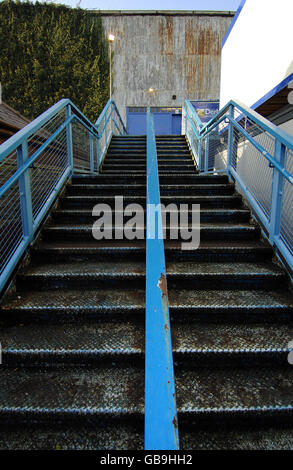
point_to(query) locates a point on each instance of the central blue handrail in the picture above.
(161, 425)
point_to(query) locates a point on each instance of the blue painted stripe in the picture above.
(161, 428)
(240, 8)
(274, 91)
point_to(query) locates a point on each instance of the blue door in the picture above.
(163, 123)
(166, 121)
(136, 123)
(176, 124)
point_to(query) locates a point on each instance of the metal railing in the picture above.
(36, 162)
(161, 428)
(258, 156)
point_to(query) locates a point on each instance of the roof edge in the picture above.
(162, 12)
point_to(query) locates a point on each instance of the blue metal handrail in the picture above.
(109, 114)
(161, 429)
(277, 219)
(48, 143)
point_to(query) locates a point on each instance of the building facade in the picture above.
(175, 53)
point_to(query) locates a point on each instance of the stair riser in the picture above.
(210, 256)
(139, 254)
(166, 167)
(78, 417)
(87, 191)
(208, 359)
(73, 315)
(79, 218)
(196, 191)
(209, 234)
(207, 314)
(168, 179)
(89, 203)
(241, 419)
(84, 358)
(174, 282)
(109, 179)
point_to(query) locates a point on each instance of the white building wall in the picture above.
(258, 53)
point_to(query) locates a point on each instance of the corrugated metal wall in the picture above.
(176, 54)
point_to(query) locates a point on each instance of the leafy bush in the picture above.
(49, 52)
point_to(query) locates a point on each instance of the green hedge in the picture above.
(49, 52)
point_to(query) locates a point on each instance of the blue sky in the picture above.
(154, 4)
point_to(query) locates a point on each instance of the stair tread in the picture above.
(128, 338)
(228, 338)
(251, 438)
(169, 245)
(123, 299)
(234, 390)
(124, 268)
(73, 391)
(77, 299)
(102, 338)
(69, 437)
(203, 226)
(230, 298)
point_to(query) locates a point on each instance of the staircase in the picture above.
(72, 330)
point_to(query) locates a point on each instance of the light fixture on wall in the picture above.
(151, 90)
(111, 38)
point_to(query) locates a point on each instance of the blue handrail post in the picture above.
(161, 425)
(98, 153)
(106, 138)
(230, 141)
(277, 193)
(25, 193)
(206, 154)
(199, 154)
(92, 162)
(69, 138)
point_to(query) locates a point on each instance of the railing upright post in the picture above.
(206, 154)
(69, 138)
(92, 162)
(98, 153)
(230, 142)
(277, 193)
(25, 193)
(199, 154)
(106, 124)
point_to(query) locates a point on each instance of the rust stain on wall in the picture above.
(202, 44)
(166, 35)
